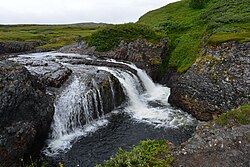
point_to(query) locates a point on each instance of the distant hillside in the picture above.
(190, 25)
(47, 36)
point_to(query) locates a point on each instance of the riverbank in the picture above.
(224, 142)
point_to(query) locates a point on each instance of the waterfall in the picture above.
(154, 91)
(145, 107)
(112, 91)
(74, 110)
(80, 108)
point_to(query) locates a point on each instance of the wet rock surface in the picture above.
(16, 47)
(51, 73)
(26, 113)
(217, 82)
(144, 54)
(57, 71)
(214, 145)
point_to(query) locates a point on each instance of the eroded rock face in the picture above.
(216, 83)
(15, 47)
(26, 113)
(52, 74)
(214, 145)
(144, 54)
(57, 71)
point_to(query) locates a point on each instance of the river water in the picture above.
(146, 114)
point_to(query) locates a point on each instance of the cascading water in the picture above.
(74, 110)
(146, 106)
(79, 112)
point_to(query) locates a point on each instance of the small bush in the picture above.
(197, 4)
(148, 153)
(108, 37)
(240, 116)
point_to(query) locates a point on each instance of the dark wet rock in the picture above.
(112, 95)
(169, 78)
(51, 73)
(15, 47)
(102, 63)
(26, 113)
(144, 54)
(111, 92)
(214, 145)
(217, 82)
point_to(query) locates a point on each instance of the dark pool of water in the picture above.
(120, 132)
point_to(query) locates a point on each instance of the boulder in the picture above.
(217, 82)
(52, 74)
(15, 47)
(26, 112)
(215, 145)
(144, 54)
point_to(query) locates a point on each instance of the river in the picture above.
(145, 114)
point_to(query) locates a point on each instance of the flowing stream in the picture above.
(79, 139)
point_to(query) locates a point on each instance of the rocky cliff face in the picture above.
(217, 82)
(26, 113)
(52, 71)
(215, 145)
(15, 47)
(144, 54)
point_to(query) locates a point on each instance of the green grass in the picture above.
(240, 116)
(187, 27)
(148, 153)
(50, 36)
(110, 36)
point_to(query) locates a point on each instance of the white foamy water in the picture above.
(150, 106)
(73, 116)
(76, 105)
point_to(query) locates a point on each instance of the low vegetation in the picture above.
(48, 36)
(191, 23)
(240, 116)
(110, 36)
(148, 153)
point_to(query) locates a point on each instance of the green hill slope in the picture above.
(50, 36)
(189, 28)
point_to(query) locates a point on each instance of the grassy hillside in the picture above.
(51, 36)
(215, 21)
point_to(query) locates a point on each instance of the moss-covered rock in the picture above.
(216, 83)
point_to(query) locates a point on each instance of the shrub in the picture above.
(148, 153)
(108, 37)
(240, 115)
(197, 4)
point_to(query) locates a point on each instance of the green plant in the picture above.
(150, 153)
(47, 36)
(32, 163)
(189, 29)
(110, 36)
(240, 115)
(197, 4)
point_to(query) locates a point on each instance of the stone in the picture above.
(26, 112)
(144, 54)
(215, 146)
(15, 47)
(217, 82)
(52, 74)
